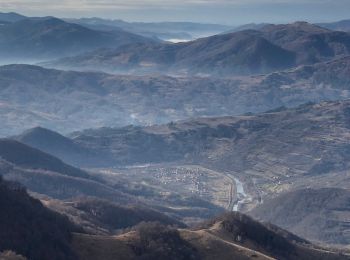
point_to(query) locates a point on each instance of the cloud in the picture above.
(222, 11)
(122, 4)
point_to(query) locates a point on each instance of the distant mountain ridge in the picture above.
(161, 30)
(343, 25)
(48, 37)
(271, 48)
(11, 17)
(250, 26)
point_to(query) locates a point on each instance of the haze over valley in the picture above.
(173, 139)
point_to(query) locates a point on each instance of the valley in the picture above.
(195, 169)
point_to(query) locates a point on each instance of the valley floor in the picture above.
(222, 189)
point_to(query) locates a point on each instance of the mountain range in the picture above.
(259, 49)
(242, 52)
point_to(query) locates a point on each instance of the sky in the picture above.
(230, 12)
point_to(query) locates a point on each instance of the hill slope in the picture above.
(104, 217)
(234, 236)
(27, 157)
(63, 147)
(242, 136)
(30, 229)
(318, 214)
(44, 174)
(311, 43)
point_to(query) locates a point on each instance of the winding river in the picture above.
(241, 195)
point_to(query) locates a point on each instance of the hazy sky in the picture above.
(214, 11)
